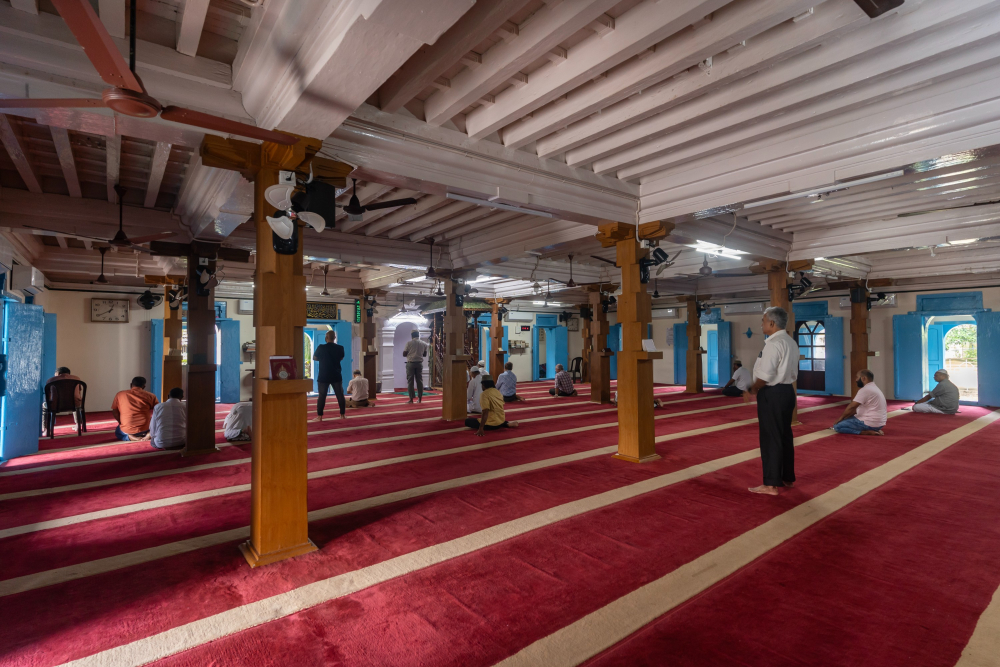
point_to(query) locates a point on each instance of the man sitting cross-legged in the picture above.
(168, 427)
(740, 382)
(943, 399)
(507, 384)
(564, 383)
(357, 391)
(491, 402)
(866, 414)
(133, 408)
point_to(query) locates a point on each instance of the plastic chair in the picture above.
(576, 368)
(60, 398)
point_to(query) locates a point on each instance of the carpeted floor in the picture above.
(530, 546)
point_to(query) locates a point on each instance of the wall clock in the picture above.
(109, 310)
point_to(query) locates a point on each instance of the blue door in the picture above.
(907, 346)
(988, 350)
(615, 345)
(344, 338)
(935, 350)
(229, 362)
(48, 350)
(680, 353)
(559, 347)
(834, 378)
(725, 349)
(21, 407)
(712, 365)
(156, 357)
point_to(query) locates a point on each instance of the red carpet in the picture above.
(473, 609)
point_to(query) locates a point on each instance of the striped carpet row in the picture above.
(437, 547)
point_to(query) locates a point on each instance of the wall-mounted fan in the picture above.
(127, 95)
(148, 300)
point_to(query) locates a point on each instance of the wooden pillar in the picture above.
(777, 285)
(497, 353)
(201, 355)
(455, 358)
(587, 343)
(600, 356)
(695, 380)
(859, 338)
(173, 347)
(636, 437)
(369, 355)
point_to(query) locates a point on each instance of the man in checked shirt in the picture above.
(564, 383)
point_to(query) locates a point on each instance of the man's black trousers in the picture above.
(775, 406)
(338, 389)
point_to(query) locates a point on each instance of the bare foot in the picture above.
(512, 424)
(764, 489)
(317, 419)
(410, 401)
(879, 432)
(343, 416)
(789, 484)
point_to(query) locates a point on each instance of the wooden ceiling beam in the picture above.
(60, 139)
(160, 157)
(18, 154)
(190, 26)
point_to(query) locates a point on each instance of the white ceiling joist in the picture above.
(404, 214)
(446, 211)
(505, 218)
(160, 156)
(431, 61)
(18, 154)
(933, 228)
(60, 140)
(114, 16)
(84, 217)
(549, 26)
(477, 213)
(30, 6)
(514, 239)
(647, 25)
(656, 104)
(190, 25)
(633, 152)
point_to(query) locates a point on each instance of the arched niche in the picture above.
(395, 334)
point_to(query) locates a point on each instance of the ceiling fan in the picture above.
(120, 239)
(431, 273)
(355, 211)
(101, 279)
(127, 95)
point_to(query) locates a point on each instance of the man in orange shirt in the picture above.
(133, 409)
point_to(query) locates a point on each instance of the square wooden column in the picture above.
(636, 438)
(585, 317)
(497, 353)
(600, 356)
(455, 360)
(777, 284)
(859, 338)
(173, 346)
(695, 381)
(201, 354)
(369, 355)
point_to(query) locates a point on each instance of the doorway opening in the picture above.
(951, 343)
(710, 360)
(811, 336)
(218, 357)
(543, 367)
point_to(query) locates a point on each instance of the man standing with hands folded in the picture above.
(776, 368)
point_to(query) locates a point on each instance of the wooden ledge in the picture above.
(274, 387)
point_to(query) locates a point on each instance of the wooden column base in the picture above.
(632, 459)
(453, 405)
(255, 559)
(201, 411)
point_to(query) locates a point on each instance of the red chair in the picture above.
(60, 398)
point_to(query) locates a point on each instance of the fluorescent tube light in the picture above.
(494, 205)
(825, 189)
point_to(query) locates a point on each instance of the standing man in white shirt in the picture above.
(168, 426)
(867, 413)
(776, 368)
(415, 350)
(740, 382)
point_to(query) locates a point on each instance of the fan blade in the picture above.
(314, 220)
(70, 102)
(151, 237)
(88, 30)
(210, 122)
(390, 204)
(604, 260)
(77, 236)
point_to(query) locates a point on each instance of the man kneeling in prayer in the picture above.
(239, 422)
(491, 402)
(357, 391)
(740, 382)
(866, 414)
(564, 383)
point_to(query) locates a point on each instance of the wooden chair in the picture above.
(60, 398)
(576, 368)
